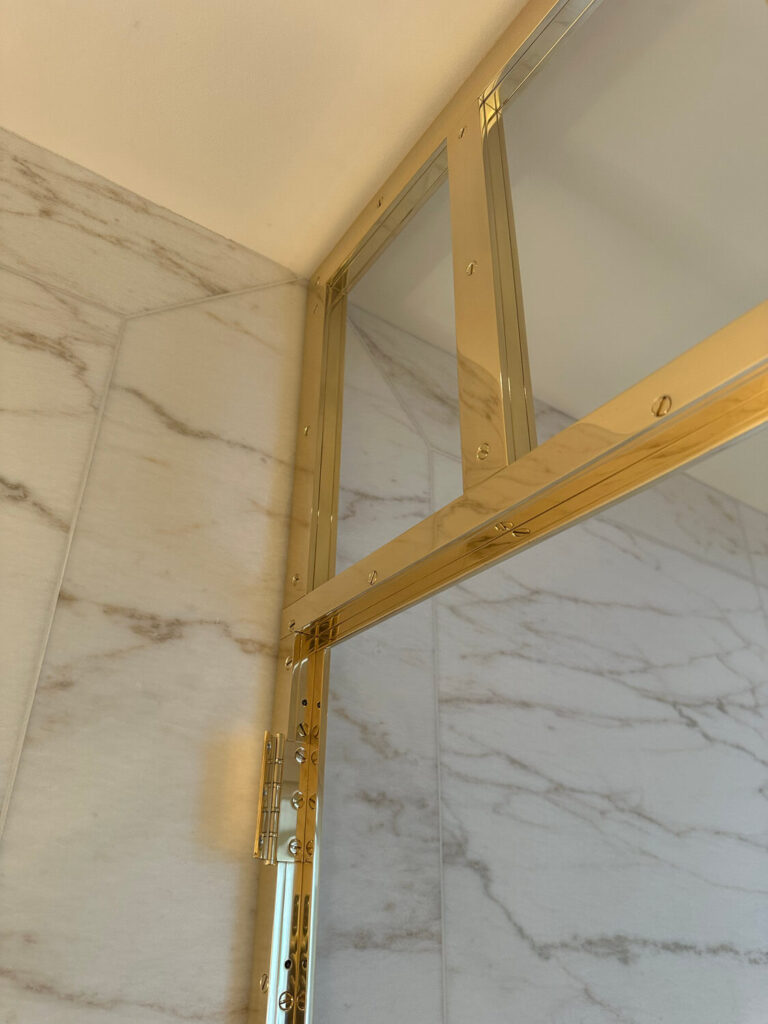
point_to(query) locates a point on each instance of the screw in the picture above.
(306, 431)
(294, 847)
(310, 847)
(372, 577)
(301, 755)
(313, 758)
(297, 800)
(301, 1001)
(461, 132)
(285, 1002)
(292, 623)
(288, 662)
(662, 405)
(471, 267)
(312, 802)
(264, 982)
(380, 201)
(315, 731)
(482, 451)
(304, 963)
(301, 730)
(295, 579)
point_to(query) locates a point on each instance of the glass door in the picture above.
(544, 791)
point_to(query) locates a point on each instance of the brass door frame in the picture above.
(516, 495)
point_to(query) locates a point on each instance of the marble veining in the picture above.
(400, 421)
(126, 880)
(141, 459)
(71, 228)
(55, 357)
(598, 779)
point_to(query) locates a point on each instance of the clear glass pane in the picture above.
(400, 447)
(545, 796)
(638, 160)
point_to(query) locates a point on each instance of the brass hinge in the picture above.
(277, 814)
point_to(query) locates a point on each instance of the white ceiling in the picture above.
(639, 155)
(639, 162)
(271, 123)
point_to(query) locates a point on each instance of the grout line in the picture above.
(96, 304)
(218, 295)
(436, 694)
(16, 760)
(47, 286)
(441, 867)
(402, 330)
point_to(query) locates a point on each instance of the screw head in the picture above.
(306, 431)
(312, 802)
(380, 202)
(461, 131)
(310, 847)
(288, 662)
(301, 730)
(297, 799)
(301, 754)
(482, 451)
(285, 1002)
(471, 268)
(264, 982)
(294, 846)
(295, 579)
(372, 577)
(315, 731)
(314, 758)
(661, 405)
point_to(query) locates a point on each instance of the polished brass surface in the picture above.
(516, 493)
(488, 336)
(712, 377)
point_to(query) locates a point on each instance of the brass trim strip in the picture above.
(488, 342)
(702, 378)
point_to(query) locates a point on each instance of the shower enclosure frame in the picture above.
(515, 492)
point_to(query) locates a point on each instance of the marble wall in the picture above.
(144, 492)
(547, 785)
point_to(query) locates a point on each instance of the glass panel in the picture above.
(400, 448)
(545, 796)
(638, 161)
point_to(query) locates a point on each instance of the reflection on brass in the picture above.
(720, 386)
(516, 495)
(294, 846)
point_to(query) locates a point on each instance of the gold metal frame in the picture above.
(515, 493)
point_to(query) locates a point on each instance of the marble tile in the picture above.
(446, 479)
(55, 356)
(384, 479)
(379, 919)
(603, 705)
(423, 376)
(69, 227)
(127, 882)
(755, 524)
